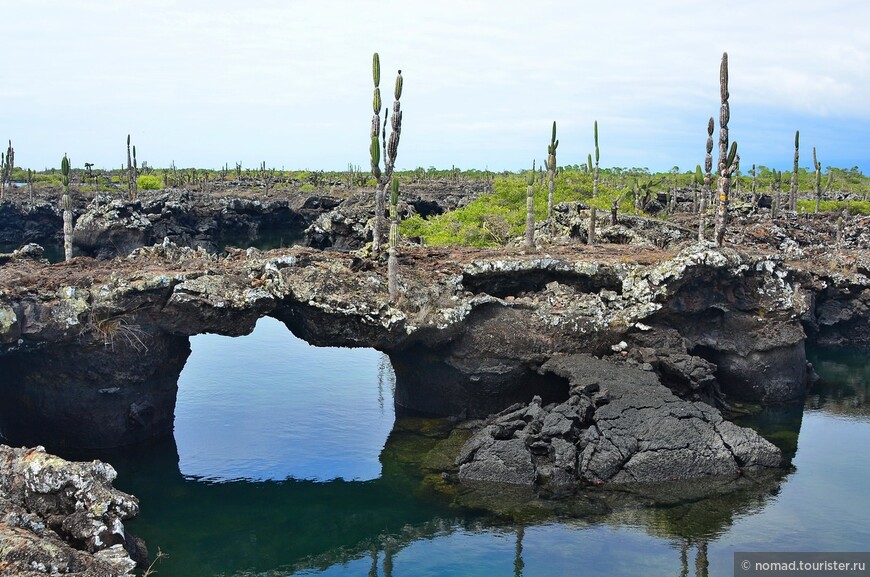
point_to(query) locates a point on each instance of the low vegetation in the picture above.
(496, 218)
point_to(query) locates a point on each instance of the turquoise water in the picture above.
(287, 460)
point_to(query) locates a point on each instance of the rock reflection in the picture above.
(844, 387)
(282, 527)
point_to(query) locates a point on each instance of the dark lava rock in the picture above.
(631, 430)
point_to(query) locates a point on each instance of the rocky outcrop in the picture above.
(61, 517)
(840, 309)
(467, 337)
(111, 226)
(349, 226)
(618, 425)
(39, 223)
(571, 220)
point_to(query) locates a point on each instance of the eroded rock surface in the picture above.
(61, 517)
(467, 337)
(618, 425)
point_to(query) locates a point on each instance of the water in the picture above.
(268, 406)
(267, 238)
(287, 460)
(53, 252)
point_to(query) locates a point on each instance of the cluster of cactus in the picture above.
(267, 176)
(392, 258)
(355, 177)
(66, 205)
(379, 144)
(727, 157)
(593, 211)
(792, 199)
(8, 164)
(530, 208)
(551, 172)
(132, 172)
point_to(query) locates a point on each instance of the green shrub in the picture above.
(855, 206)
(149, 182)
(307, 187)
(494, 219)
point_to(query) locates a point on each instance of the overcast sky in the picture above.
(203, 83)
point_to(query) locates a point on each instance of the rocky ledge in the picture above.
(472, 332)
(225, 214)
(62, 517)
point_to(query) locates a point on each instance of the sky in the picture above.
(204, 83)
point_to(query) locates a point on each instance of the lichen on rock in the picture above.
(58, 516)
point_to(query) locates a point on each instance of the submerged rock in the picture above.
(58, 516)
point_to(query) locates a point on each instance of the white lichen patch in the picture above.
(8, 319)
(71, 306)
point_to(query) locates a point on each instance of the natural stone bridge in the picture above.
(91, 351)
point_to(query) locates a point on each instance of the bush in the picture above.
(149, 182)
(855, 206)
(494, 219)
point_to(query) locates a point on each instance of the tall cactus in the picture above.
(727, 157)
(775, 188)
(132, 176)
(753, 186)
(392, 259)
(8, 162)
(530, 208)
(551, 172)
(66, 205)
(593, 211)
(30, 185)
(792, 199)
(135, 176)
(817, 167)
(379, 144)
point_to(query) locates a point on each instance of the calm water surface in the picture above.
(287, 461)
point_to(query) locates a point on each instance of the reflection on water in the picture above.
(393, 525)
(271, 406)
(843, 384)
(268, 430)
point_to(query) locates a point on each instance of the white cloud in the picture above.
(295, 74)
